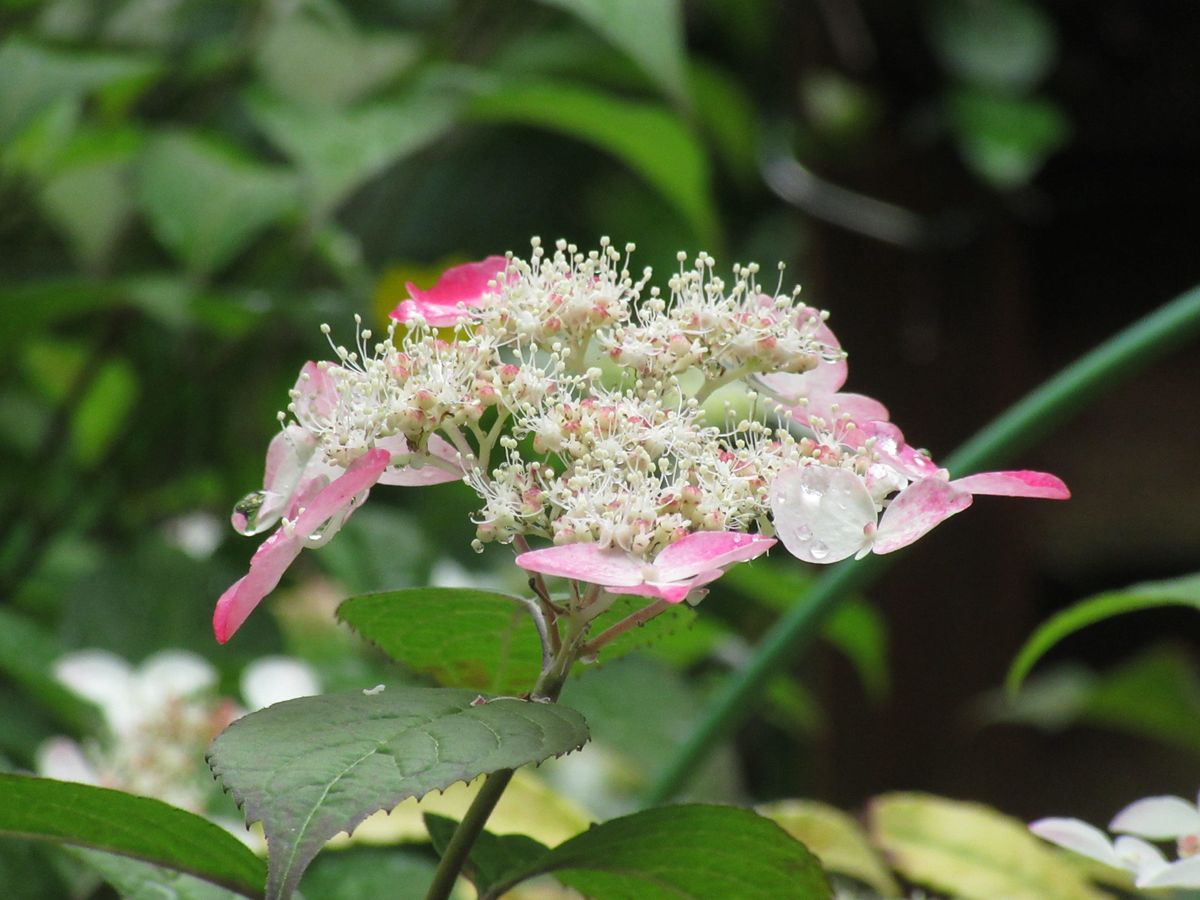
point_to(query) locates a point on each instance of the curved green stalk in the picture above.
(1023, 424)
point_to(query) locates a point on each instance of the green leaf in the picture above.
(646, 137)
(492, 857)
(318, 62)
(87, 195)
(139, 827)
(359, 873)
(969, 850)
(676, 852)
(337, 151)
(312, 767)
(103, 410)
(1183, 591)
(137, 880)
(1005, 45)
(27, 655)
(1006, 139)
(36, 77)
(837, 840)
(649, 31)
(206, 202)
(461, 637)
(726, 114)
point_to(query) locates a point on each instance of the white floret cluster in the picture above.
(572, 398)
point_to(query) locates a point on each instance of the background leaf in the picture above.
(969, 850)
(312, 767)
(206, 202)
(1001, 44)
(1006, 139)
(676, 852)
(27, 655)
(137, 880)
(359, 873)
(836, 839)
(492, 856)
(337, 151)
(647, 138)
(650, 31)
(1183, 591)
(461, 637)
(139, 827)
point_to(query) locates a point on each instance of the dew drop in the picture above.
(317, 535)
(246, 511)
(804, 533)
(819, 550)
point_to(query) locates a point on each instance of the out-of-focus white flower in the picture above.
(198, 534)
(1151, 819)
(159, 718)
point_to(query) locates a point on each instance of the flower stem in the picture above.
(549, 686)
(645, 614)
(466, 833)
(1044, 409)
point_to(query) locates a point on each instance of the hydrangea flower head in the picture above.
(573, 397)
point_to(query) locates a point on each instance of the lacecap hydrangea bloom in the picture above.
(1152, 819)
(577, 401)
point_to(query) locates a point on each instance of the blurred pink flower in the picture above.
(678, 569)
(459, 287)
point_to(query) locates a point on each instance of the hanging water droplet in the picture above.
(804, 533)
(819, 550)
(245, 517)
(318, 534)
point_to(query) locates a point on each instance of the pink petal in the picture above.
(316, 399)
(467, 284)
(266, 569)
(859, 407)
(1021, 483)
(1078, 836)
(280, 550)
(418, 472)
(671, 591)
(822, 514)
(1158, 818)
(706, 550)
(586, 562)
(916, 510)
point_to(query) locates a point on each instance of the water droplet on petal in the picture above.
(819, 550)
(317, 536)
(245, 517)
(804, 533)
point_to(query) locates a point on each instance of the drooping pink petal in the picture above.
(670, 591)
(916, 510)
(290, 456)
(280, 550)
(458, 288)
(1182, 874)
(822, 514)
(1021, 483)
(610, 567)
(704, 551)
(1079, 836)
(1158, 818)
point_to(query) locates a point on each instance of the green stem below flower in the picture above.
(1046, 408)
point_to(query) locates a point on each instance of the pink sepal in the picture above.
(459, 287)
(1021, 483)
(916, 510)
